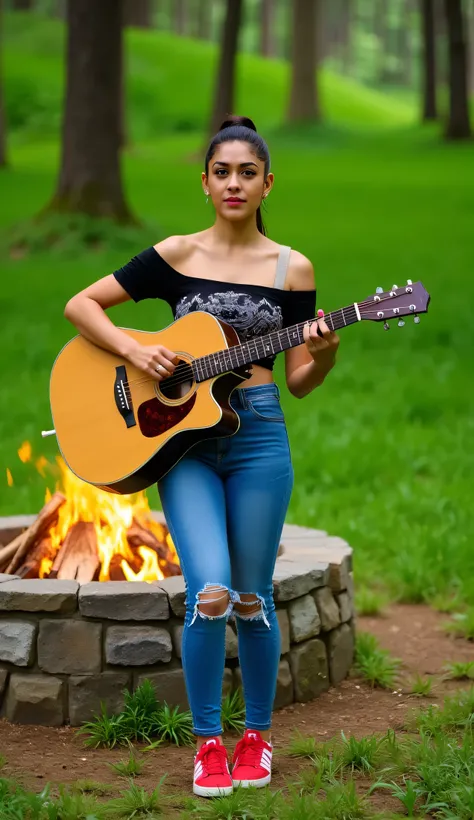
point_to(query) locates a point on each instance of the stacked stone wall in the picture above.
(65, 647)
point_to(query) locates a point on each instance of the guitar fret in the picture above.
(223, 361)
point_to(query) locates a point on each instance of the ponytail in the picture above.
(260, 225)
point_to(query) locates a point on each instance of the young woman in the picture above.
(226, 500)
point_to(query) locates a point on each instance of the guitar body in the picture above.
(117, 428)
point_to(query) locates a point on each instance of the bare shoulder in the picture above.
(174, 249)
(300, 272)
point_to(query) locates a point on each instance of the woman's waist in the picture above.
(242, 395)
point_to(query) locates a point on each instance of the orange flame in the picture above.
(25, 452)
(111, 514)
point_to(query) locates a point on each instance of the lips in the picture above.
(234, 199)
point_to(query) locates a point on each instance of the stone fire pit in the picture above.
(65, 647)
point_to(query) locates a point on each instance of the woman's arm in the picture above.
(86, 311)
(308, 364)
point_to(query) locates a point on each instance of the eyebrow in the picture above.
(242, 164)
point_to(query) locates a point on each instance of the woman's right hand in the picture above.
(156, 360)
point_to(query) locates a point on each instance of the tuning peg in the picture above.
(379, 290)
(401, 323)
(386, 326)
(416, 319)
(394, 287)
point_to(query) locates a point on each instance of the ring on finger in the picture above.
(159, 368)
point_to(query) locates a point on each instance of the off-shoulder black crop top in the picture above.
(252, 310)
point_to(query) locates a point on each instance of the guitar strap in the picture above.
(282, 266)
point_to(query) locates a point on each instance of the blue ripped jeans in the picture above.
(225, 504)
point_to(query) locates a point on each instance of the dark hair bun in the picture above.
(233, 119)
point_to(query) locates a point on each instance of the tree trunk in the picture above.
(204, 19)
(430, 107)
(3, 145)
(325, 34)
(404, 43)
(470, 40)
(304, 98)
(122, 115)
(441, 40)
(267, 28)
(224, 90)
(380, 30)
(346, 36)
(138, 13)
(458, 125)
(22, 5)
(58, 9)
(180, 17)
(90, 180)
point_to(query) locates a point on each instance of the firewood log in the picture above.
(171, 569)
(7, 552)
(31, 567)
(46, 517)
(77, 558)
(139, 536)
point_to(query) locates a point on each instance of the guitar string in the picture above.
(172, 379)
(178, 378)
(184, 371)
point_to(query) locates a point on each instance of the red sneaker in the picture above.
(211, 770)
(252, 761)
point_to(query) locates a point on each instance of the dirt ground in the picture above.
(37, 754)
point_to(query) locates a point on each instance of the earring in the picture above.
(207, 196)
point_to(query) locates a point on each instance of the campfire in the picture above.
(86, 534)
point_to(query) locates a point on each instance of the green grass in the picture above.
(462, 624)
(460, 670)
(143, 718)
(137, 802)
(374, 664)
(422, 687)
(387, 461)
(233, 711)
(129, 768)
(369, 602)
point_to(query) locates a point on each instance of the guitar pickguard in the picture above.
(155, 418)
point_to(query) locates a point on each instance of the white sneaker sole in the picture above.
(220, 791)
(262, 781)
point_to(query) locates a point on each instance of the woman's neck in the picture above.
(234, 234)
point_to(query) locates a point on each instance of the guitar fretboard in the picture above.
(223, 361)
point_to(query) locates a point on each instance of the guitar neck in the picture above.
(223, 361)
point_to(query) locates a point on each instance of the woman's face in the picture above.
(236, 181)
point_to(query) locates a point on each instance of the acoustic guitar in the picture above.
(120, 430)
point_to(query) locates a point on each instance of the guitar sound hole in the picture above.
(178, 384)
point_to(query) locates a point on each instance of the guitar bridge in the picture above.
(123, 399)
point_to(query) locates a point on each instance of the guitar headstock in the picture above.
(409, 300)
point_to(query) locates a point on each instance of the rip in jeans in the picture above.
(234, 598)
(259, 614)
(212, 588)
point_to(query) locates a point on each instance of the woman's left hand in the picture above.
(323, 348)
